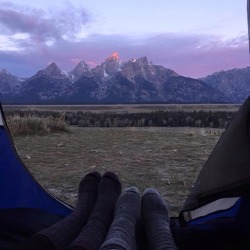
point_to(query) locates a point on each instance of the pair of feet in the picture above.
(151, 209)
(105, 219)
(88, 225)
(112, 223)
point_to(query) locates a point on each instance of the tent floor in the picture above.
(18, 224)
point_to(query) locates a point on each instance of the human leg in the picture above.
(121, 235)
(156, 221)
(94, 232)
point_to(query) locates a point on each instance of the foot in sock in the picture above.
(66, 230)
(93, 234)
(156, 221)
(121, 235)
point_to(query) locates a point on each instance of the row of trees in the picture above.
(156, 119)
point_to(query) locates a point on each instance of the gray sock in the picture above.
(94, 232)
(156, 221)
(66, 230)
(121, 235)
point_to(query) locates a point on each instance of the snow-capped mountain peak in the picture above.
(8, 82)
(115, 56)
(4, 72)
(112, 64)
(54, 71)
(81, 69)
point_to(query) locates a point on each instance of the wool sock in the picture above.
(93, 234)
(66, 230)
(121, 235)
(156, 221)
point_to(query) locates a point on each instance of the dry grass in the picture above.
(168, 159)
(34, 125)
(127, 108)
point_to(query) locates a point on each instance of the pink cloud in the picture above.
(189, 55)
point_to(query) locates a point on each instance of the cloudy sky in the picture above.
(193, 37)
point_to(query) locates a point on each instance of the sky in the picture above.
(194, 38)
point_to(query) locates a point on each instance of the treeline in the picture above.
(212, 119)
(218, 119)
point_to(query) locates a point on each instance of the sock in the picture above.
(156, 221)
(93, 234)
(66, 230)
(121, 235)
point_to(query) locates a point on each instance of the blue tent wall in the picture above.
(225, 176)
(216, 212)
(18, 188)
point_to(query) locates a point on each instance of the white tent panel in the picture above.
(1, 119)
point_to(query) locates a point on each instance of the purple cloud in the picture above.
(43, 25)
(193, 56)
(189, 55)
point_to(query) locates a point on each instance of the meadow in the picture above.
(165, 158)
(127, 108)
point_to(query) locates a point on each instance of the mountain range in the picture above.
(114, 81)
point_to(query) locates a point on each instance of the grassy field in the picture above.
(127, 108)
(168, 159)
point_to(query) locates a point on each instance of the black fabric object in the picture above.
(36, 242)
(15, 226)
(248, 23)
(121, 235)
(93, 234)
(226, 173)
(187, 238)
(156, 221)
(141, 236)
(60, 234)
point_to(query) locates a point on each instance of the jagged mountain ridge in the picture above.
(134, 81)
(9, 83)
(46, 85)
(81, 69)
(234, 83)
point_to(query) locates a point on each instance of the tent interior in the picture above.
(25, 207)
(214, 216)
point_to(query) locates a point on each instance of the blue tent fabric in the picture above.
(25, 206)
(216, 213)
(18, 188)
